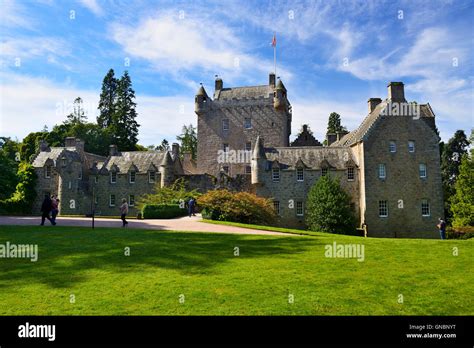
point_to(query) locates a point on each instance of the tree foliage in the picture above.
(462, 201)
(9, 158)
(188, 140)
(328, 208)
(334, 123)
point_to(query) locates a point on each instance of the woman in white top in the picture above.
(124, 212)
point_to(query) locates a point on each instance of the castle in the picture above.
(389, 165)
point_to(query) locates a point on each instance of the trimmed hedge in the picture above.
(163, 211)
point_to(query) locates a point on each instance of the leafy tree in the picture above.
(108, 100)
(164, 146)
(188, 140)
(334, 123)
(8, 166)
(78, 115)
(29, 145)
(462, 202)
(328, 207)
(124, 125)
(452, 154)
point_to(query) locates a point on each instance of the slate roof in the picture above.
(141, 159)
(54, 154)
(244, 92)
(358, 134)
(313, 157)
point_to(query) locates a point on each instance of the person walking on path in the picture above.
(54, 208)
(124, 212)
(45, 210)
(442, 228)
(191, 205)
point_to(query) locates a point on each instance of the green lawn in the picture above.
(163, 265)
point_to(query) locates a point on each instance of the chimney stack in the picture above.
(70, 142)
(340, 135)
(372, 103)
(271, 79)
(396, 92)
(219, 84)
(113, 151)
(175, 150)
(331, 138)
(43, 146)
(79, 145)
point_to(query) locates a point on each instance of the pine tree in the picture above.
(462, 202)
(334, 123)
(78, 115)
(108, 100)
(124, 125)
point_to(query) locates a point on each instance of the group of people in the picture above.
(49, 209)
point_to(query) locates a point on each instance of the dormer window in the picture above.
(248, 146)
(64, 161)
(324, 171)
(132, 176)
(151, 177)
(113, 177)
(47, 172)
(79, 175)
(276, 174)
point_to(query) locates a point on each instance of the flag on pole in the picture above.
(274, 41)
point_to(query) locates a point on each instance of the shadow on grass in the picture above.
(67, 253)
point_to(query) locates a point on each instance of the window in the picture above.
(425, 208)
(96, 200)
(47, 172)
(132, 176)
(248, 123)
(79, 175)
(299, 174)
(276, 174)
(276, 206)
(393, 147)
(350, 173)
(411, 146)
(96, 179)
(299, 209)
(225, 124)
(422, 170)
(131, 200)
(113, 177)
(382, 171)
(112, 200)
(64, 161)
(324, 171)
(248, 170)
(248, 146)
(383, 209)
(226, 147)
(226, 169)
(151, 176)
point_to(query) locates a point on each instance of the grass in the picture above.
(91, 265)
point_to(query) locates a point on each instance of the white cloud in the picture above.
(14, 15)
(27, 104)
(173, 44)
(92, 6)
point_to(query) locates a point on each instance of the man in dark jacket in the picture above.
(46, 208)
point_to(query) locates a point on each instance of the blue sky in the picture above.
(331, 55)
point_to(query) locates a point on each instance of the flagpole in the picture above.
(275, 55)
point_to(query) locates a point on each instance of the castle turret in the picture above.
(166, 170)
(201, 101)
(279, 96)
(258, 161)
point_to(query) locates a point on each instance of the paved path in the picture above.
(179, 224)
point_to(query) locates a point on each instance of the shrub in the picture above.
(465, 232)
(328, 208)
(162, 211)
(241, 207)
(462, 202)
(168, 195)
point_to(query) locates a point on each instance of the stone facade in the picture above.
(389, 165)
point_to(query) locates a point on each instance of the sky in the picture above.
(332, 55)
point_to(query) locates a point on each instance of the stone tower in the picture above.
(230, 122)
